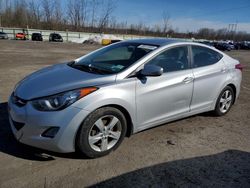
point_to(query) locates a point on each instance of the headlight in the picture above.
(62, 100)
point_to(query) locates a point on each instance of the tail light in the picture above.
(239, 66)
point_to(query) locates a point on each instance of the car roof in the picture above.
(156, 41)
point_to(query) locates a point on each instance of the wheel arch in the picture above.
(230, 84)
(234, 90)
(125, 112)
(130, 127)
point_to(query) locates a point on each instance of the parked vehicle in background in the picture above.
(37, 37)
(222, 46)
(3, 35)
(245, 45)
(207, 43)
(21, 36)
(55, 37)
(91, 103)
(231, 45)
(236, 45)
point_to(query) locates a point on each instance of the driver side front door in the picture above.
(165, 97)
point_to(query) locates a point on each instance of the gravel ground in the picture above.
(200, 151)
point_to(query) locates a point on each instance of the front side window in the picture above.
(203, 56)
(114, 59)
(174, 59)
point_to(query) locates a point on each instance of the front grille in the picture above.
(17, 100)
(17, 125)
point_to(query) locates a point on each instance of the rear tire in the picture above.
(101, 132)
(224, 101)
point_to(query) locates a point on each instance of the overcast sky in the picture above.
(187, 15)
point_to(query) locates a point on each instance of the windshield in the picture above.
(113, 59)
(56, 36)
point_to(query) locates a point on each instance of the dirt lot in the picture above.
(198, 151)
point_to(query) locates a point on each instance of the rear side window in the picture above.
(203, 56)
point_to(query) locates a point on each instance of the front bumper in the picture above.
(34, 123)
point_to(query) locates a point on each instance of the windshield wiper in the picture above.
(88, 68)
(102, 69)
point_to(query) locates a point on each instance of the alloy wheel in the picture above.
(226, 101)
(105, 133)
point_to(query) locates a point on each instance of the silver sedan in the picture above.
(3, 35)
(93, 102)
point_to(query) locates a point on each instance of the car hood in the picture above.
(58, 78)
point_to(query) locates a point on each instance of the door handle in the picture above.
(188, 80)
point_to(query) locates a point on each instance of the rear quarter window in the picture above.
(203, 56)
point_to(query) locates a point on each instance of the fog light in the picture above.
(51, 132)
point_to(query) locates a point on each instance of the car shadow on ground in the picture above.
(10, 146)
(227, 169)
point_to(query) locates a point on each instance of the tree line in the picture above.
(95, 16)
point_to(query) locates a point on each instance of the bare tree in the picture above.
(20, 17)
(94, 6)
(108, 8)
(34, 13)
(7, 14)
(157, 29)
(58, 15)
(77, 12)
(140, 27)
(113, 23)
(1, 12)
(1, 6)
(95, 16)
(165, 23)
(48, 9)
(206, 33)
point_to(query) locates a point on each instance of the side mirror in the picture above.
(151, 70)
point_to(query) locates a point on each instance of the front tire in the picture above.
(101, 132)
(224, 101)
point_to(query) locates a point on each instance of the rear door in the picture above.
(209, 75)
